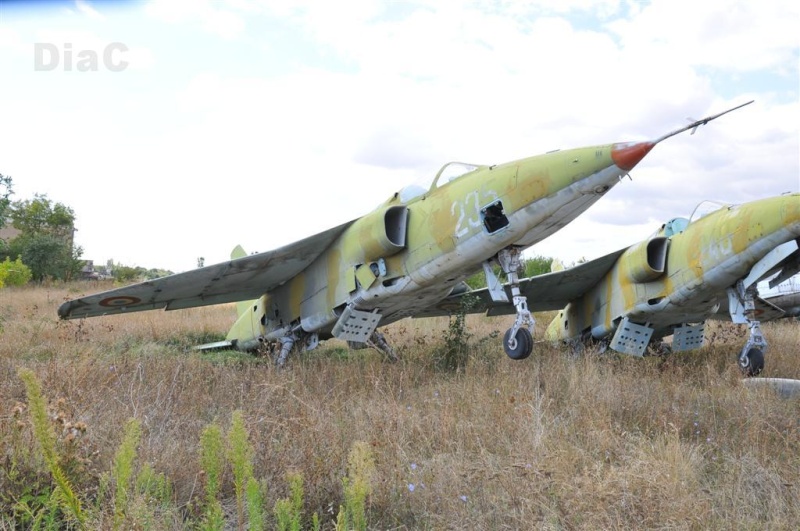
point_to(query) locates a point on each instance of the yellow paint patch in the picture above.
(296, 295)
(339, 277)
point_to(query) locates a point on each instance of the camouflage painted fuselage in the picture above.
(669, 281)
(408, 254)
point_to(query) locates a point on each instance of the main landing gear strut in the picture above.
(518, 340)
(742, 310)
(741, 303)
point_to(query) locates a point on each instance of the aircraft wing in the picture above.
(764, 310)
(551, 291)
(241, 279)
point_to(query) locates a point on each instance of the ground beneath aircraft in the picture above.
(553, 441)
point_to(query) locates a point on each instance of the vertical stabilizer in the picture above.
(241, 306)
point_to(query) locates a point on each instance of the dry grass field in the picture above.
(557, 441)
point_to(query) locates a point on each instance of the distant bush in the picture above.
(14, 273)
(122, 273)
(530, 267)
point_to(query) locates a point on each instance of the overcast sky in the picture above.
(207, 124)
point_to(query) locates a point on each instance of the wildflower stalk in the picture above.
(288, 511)
(123, 470)
(63, 494)
(212, 460)
(240, 455)
(358, 486)
(255, 505)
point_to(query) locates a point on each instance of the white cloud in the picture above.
(222, 22)
(738, 36)
(11, 41)
(86, 8)
(334, 109)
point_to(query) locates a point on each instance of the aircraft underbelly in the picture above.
(550, 214)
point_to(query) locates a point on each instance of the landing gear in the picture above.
(287, 342)
(378, 341)
(752, 362)
(518, 340)
(519, 347)
(742, 309)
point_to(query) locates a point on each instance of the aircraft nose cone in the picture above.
(628, 155)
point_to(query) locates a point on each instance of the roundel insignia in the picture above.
(116, 302)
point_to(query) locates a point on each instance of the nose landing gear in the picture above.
(518, 340)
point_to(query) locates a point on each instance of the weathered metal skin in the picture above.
(709, 256)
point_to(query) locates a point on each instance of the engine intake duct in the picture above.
(383, 232)
(646, 261)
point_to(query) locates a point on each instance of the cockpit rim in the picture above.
(421, 187)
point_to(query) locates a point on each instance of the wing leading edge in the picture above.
(240, 279)
(551, 291)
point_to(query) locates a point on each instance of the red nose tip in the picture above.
(626, 156)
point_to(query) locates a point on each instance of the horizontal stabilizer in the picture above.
(215, 345)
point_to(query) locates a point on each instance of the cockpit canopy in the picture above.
(678, 225)
(705, 208)
(449, 173)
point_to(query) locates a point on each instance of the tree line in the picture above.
(43, 247)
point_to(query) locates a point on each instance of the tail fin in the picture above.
(238, 252)
(241, 306)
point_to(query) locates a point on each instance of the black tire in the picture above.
(523, 344)
(755, 362)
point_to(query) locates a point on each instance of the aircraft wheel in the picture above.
(520, 347)
(753, 363)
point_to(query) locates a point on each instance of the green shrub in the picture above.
(14, 273)
(453, 354)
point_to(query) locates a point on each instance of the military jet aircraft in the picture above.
(402, 258)
(689, 271)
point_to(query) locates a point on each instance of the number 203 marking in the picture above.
(469, 211)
